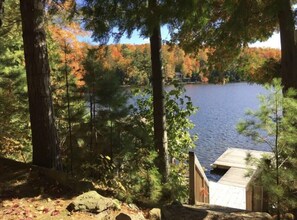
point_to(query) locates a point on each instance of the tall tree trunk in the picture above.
(160, 134)
(44, 133)
(1, 11)
(288, 45)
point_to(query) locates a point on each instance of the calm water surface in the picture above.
(220, 109)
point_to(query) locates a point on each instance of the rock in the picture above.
(91, 202)
(130, 216)
(133, 207)
(105, 215)
(155, 214)
(117, 204)
(289, 216)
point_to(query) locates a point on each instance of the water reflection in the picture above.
(220, 109)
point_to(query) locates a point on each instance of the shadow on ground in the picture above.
(20, 180)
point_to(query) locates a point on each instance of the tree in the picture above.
(160, 133)
(135, 168)
(145, 17)
(68, 103)
(271, 126)
(227, 26)
(15, 140)
(286, 18)
(44, 134)
(107, 104)
(1, 11)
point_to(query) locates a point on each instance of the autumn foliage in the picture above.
(132, 63)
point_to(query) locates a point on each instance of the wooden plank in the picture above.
(198, 182)
(257, 198)
(228, 196)
(235, 177)
(235, 157)
(249, 198)
(191, 178)
(234, 160)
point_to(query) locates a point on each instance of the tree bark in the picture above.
(44, 134)
(160, 134)
(288, 45)
(1, 11)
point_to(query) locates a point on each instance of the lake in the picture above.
(220, 109)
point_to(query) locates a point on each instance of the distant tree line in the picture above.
(132, 64)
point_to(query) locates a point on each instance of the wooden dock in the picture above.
(234, 160)
(234, 189)
(235, 157)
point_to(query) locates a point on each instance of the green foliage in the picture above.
(132, 170)
(141, 67)
(269, 70)
(14, 117)
(275, 124)
(71, 143)
(226, 26)
(107, 103)
(139, 176)
(179, 108)
(98, 168)
(106, 119)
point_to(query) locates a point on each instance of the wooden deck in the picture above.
(231, 189)
(234, 189)
(235, 177)
(227, 195)
(235, 157)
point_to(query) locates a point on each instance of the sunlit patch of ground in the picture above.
(25, 194)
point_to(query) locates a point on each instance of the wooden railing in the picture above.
(255, 198)
(199, 187)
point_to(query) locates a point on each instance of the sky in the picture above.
(272, 42)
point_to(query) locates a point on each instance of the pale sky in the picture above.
(272, 42)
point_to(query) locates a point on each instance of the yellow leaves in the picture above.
(69, 4)
(67, 36)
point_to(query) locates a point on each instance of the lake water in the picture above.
(220, 109)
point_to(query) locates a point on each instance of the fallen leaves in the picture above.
(30, 208)
(17, 209)
(55, 212)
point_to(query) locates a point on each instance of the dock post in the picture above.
(198, 182)
(192, 178)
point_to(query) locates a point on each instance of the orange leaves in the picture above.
(266, 53)
(68, 4)
(66, 37)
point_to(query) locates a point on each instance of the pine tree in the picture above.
(69, 104)
(107, 102)
(147, 17)
(15, 138)
(44, 134)
(275, 125)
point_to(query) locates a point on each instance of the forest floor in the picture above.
(26, 194)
